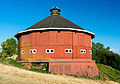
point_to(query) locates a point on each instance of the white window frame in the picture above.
(91, 42)
(84, 51)
(22, 52)
(30, 51)
(34, 52)
(68, 50)
(90, 51)
(49, 50)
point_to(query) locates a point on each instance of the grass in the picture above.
(105, 72)
(11, 62)
(108, 73)
(38, 70)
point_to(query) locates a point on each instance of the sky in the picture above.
(101, 17)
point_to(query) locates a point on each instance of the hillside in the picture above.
(13, 75)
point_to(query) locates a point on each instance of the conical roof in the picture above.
(55, 21)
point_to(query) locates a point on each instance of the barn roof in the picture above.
(55, 22)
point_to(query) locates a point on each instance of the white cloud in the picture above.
(115, 51)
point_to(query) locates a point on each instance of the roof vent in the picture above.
(55, 11)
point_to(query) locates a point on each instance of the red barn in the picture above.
(63, 45)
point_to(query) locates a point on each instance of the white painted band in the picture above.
(72, 29)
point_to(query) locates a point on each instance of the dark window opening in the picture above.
(66, 50)
(47, 50)
(52, 51)
(81, 50)
(70, 50)
(34, 51)
(42, 66)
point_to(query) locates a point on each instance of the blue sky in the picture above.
(101, 17)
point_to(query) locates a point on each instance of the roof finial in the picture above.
(55, 11)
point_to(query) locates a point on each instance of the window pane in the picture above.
(81, 51)
(70, 50)
(51, 50)
(31, 51)
(47, 50)
(66, 50)
(34, 50)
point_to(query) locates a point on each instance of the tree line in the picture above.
(104, 56)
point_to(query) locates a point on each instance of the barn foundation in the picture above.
(68, 67)
(79, 68)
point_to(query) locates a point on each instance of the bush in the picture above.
(11, 62)
(9, 47)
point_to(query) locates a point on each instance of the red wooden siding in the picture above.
(59, 41)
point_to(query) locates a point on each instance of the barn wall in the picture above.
(79, 68)
(81, 41)
(59, 41)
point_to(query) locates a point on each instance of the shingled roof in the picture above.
(55, 21)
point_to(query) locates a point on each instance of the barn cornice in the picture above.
(57, 29)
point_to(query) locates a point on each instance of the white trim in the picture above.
(30, 51)
(90, 51)
(68, 50)
(84, 51)
(91, 43)
(57, 29)
(49, 50)
(22, 52)
(34, 52)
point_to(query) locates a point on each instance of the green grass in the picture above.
(105, 72)
(38, 70)
(11, 62)
(108, 73)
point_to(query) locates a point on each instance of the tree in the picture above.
(9, 47)
(103, 55)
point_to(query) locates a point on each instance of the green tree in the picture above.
(9, 47)
(103, 55)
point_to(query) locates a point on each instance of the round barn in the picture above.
(65, 47)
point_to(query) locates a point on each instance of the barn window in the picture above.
(52, 50)
(31, 51)
(22, 52)
(49, 50)
(34, 51)
(90, 52)
(68, 50)
(83, 51)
